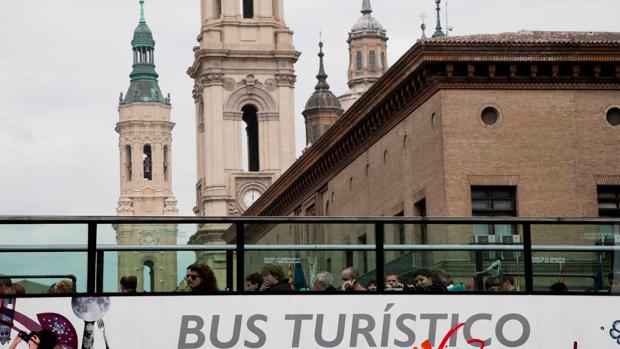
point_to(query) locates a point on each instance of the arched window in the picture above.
(147, 163)
(372, 60)
(166, 160)
(358, 61)
(149, 276)
(128, 162)
(383, 61)
(247, 8)
(251, 129)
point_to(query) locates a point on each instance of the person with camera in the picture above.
(38, 340)
(393, 282)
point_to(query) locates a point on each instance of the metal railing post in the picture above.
(380, 255)
(100, 258)
(240, 256)
(92, 258)
(527, 258)
(230, 272)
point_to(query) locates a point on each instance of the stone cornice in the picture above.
(413, 79)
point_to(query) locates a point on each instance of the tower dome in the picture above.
(367, 23)
(323, 107)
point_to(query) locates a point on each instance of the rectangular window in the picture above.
(608, 201)
(495, 201)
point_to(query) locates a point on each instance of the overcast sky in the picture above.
(63, 64)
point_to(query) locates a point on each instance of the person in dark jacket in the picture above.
(424, 282)
(273, 279)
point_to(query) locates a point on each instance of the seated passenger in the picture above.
(443, 277)
(6, 286)
(558, 287)
(492, 284)
(200, 278)
(129, 284)
(372, 286)
(508, 284)
(350, 280)
(324, 282)
(253, 282)
(62, 287)
(19, 289)
(393, 282)
(273, 279)
(424, 282)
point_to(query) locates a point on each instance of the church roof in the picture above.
(531, 37)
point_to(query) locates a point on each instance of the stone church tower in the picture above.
(367, 55)
(244, 81)
(145, 143)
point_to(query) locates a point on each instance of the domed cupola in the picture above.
(323, 107)
(367, 23)
(144, 86)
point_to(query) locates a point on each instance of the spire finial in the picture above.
(321, 76)
(438, 31)
(142, 20)
(366, 9)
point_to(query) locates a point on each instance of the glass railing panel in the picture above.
(454, 257)
(158, 255)
(302, 253)
(576, 258)
(38, 273)
(43, 234)
(28, 263)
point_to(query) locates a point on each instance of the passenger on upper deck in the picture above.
(324, 281)
(273, 279)
(350, 277)
(424, 282)
(129, 284)
(200, 278)
(253, 282)
(393, 282)
(6, 286)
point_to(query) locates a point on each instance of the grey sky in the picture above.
(63, 64)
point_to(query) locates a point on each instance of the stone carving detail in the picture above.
(170, 207)
(125, 207)
(250, 82)
(233, 209)
(286, 79)
(197, 92)
(270, 84)
(211, 79)
(229, 84)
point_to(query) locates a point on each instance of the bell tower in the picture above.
(145, 141)
(244, 81)
(367, 55)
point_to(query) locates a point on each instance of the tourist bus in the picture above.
(354, 282)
